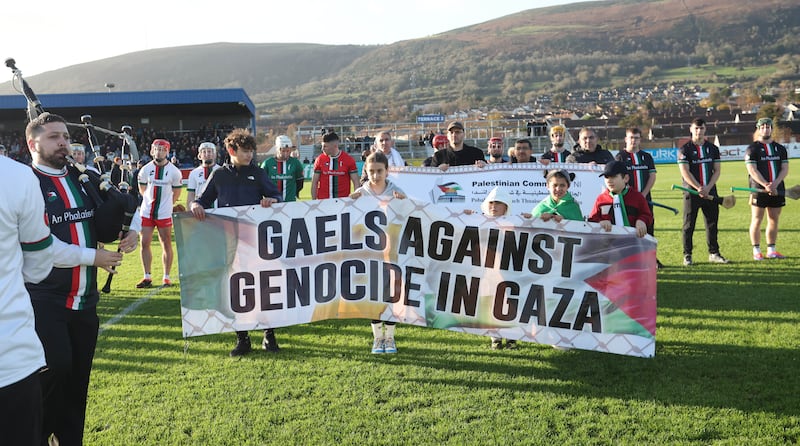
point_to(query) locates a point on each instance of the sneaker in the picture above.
(497, 344)
(511, 345)
(389, 346)
(166, 283)
(758, 256)
(242, 348)
(775, 255)
(687, 260)
(145, 283)
(269, 343)
(378, 347)
(717, 258)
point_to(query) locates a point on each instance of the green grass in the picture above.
(725, 370)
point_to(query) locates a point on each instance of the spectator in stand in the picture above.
(458, 153)
(3, 150)
(334, 171)
(588, 151)
(523, 152)
(496, 152)
(557, 152)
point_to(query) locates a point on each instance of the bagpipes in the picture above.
(114, 206)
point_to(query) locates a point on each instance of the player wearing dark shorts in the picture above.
(767, 164)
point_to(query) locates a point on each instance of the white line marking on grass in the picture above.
(130, 308)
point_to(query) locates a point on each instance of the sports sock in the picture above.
(771, 248)
(147, 276)
(756, 249)
(390, 331)
(377, 330)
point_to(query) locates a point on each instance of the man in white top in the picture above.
(26, 248)
(160, 186)
(196, 183)
(384, 143)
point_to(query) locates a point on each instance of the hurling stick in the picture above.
(653, 203)
(726, 202)
(792, 192)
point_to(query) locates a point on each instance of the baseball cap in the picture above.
(614, 168)
(763, 121)
(455, 125)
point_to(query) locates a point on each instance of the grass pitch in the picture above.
(725, 370)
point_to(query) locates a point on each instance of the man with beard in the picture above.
(195, 184)
(160, 186)
(588, 151)
(285, 170)
(557, 152)
(495, 150)
(458, 153)
(767, 164)
(65, 303)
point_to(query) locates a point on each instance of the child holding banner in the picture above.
(378, 186)
(239, 183)
(560, 204)
(619, 204)
(497, 204)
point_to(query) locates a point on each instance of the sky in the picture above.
(50, 34)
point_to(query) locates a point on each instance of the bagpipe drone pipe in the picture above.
(114, 206)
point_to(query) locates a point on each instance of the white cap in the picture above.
(497, 194)
(282, 141)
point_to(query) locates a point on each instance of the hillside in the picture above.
(504, 62)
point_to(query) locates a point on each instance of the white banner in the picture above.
(465, 187)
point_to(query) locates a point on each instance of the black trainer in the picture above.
(269, 343)
(243, 346)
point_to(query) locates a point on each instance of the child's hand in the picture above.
(641, 229)
(469, 211)
(546, 216)
(526, 215)
(443, 167)
(267, 202)
(355, 195)
(557, 218)
(606, 225)
(399, 195)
